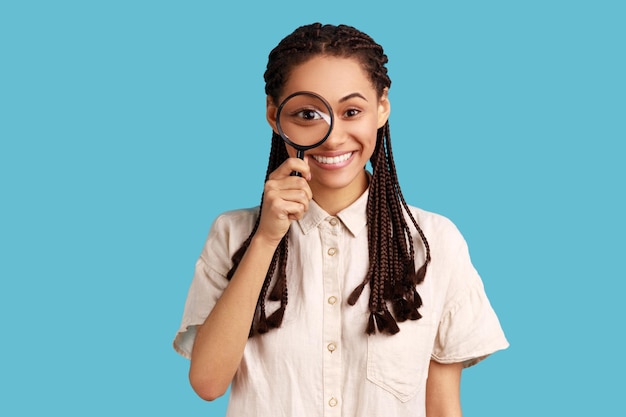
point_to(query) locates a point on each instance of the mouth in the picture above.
(332, 160)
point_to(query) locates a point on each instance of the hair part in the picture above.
(391, 274)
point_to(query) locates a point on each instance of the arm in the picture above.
(221, 339)
(443, 390)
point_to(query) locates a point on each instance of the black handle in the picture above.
(299, 154)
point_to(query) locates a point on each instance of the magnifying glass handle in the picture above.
(299, 154)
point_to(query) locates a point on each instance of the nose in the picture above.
(337, 135)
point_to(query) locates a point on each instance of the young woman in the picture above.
(335, 297)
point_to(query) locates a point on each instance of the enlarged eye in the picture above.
(308, 114)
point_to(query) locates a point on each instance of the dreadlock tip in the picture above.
(370, 325)
(356, 294)
(276, 318)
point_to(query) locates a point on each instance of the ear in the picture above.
(270, 112)
(384, 108)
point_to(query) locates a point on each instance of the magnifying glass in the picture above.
(304, 120)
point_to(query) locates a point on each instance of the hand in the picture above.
(286, 198)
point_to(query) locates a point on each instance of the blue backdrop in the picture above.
(127, 126)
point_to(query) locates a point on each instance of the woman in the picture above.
(335, 297)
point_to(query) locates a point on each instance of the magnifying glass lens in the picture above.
(305, 120)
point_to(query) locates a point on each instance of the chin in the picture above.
(338, 180)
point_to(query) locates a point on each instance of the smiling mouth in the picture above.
(333, 159)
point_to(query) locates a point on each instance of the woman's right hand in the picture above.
(220, 341)
(286, 198)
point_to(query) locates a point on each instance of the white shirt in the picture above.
(320, 362)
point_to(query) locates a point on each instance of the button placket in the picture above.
(330, 232)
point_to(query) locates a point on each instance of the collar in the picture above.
(354, 217)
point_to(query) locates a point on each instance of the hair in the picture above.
(391, 274)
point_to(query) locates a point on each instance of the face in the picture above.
(338, 164)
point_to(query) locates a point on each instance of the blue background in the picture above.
(126, 127)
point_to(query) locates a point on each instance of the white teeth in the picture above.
(332, 160)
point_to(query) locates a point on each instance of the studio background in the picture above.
(126, 127)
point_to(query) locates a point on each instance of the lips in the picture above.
(332, 160)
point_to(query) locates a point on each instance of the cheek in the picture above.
(290, 150)
(368, 140)
(368, 134)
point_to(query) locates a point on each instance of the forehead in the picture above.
(331, 77)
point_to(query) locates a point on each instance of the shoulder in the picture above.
(228, 231)
(434, 224)
(447, 244)
(236, 219)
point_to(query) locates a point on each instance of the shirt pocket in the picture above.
(399, 363)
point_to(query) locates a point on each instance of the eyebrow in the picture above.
(349, 96)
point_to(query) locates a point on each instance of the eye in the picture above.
(352, 112)
(308, 114)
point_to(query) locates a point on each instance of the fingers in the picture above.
(287, 204)
(286, 198)
(291, 165)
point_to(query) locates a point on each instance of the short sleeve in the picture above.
(469, 329)
(226, 236)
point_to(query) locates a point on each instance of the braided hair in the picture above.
(391, 274)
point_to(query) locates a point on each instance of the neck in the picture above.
(333, 200)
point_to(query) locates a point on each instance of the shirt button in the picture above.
(332, 251)
(333, 222)
(332, 300)
(331, 347)
(332, 402)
